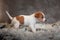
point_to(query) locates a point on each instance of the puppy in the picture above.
(29, 20)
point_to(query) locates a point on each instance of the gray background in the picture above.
(51, 8)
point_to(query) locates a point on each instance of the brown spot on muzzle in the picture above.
(20, 19)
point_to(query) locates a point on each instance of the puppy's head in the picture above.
(39, 16)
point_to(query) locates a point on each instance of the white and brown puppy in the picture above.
(29, 20)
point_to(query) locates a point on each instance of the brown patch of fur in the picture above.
(20, 19)
(38, 15)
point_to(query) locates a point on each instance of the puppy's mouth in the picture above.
(42, 20)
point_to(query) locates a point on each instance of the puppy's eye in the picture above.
(42, 17)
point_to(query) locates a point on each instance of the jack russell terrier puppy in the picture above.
(29, 20)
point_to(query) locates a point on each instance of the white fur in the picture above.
(28, 20)
(9, 15)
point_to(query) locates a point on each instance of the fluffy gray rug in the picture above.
(46, 32)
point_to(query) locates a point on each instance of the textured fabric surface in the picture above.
(46, 32)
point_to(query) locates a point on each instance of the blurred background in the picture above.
(51, 9)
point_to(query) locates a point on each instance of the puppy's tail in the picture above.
(9, 15)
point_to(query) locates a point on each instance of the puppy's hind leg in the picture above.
(16, 25)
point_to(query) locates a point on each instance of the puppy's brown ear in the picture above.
(38, 14)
